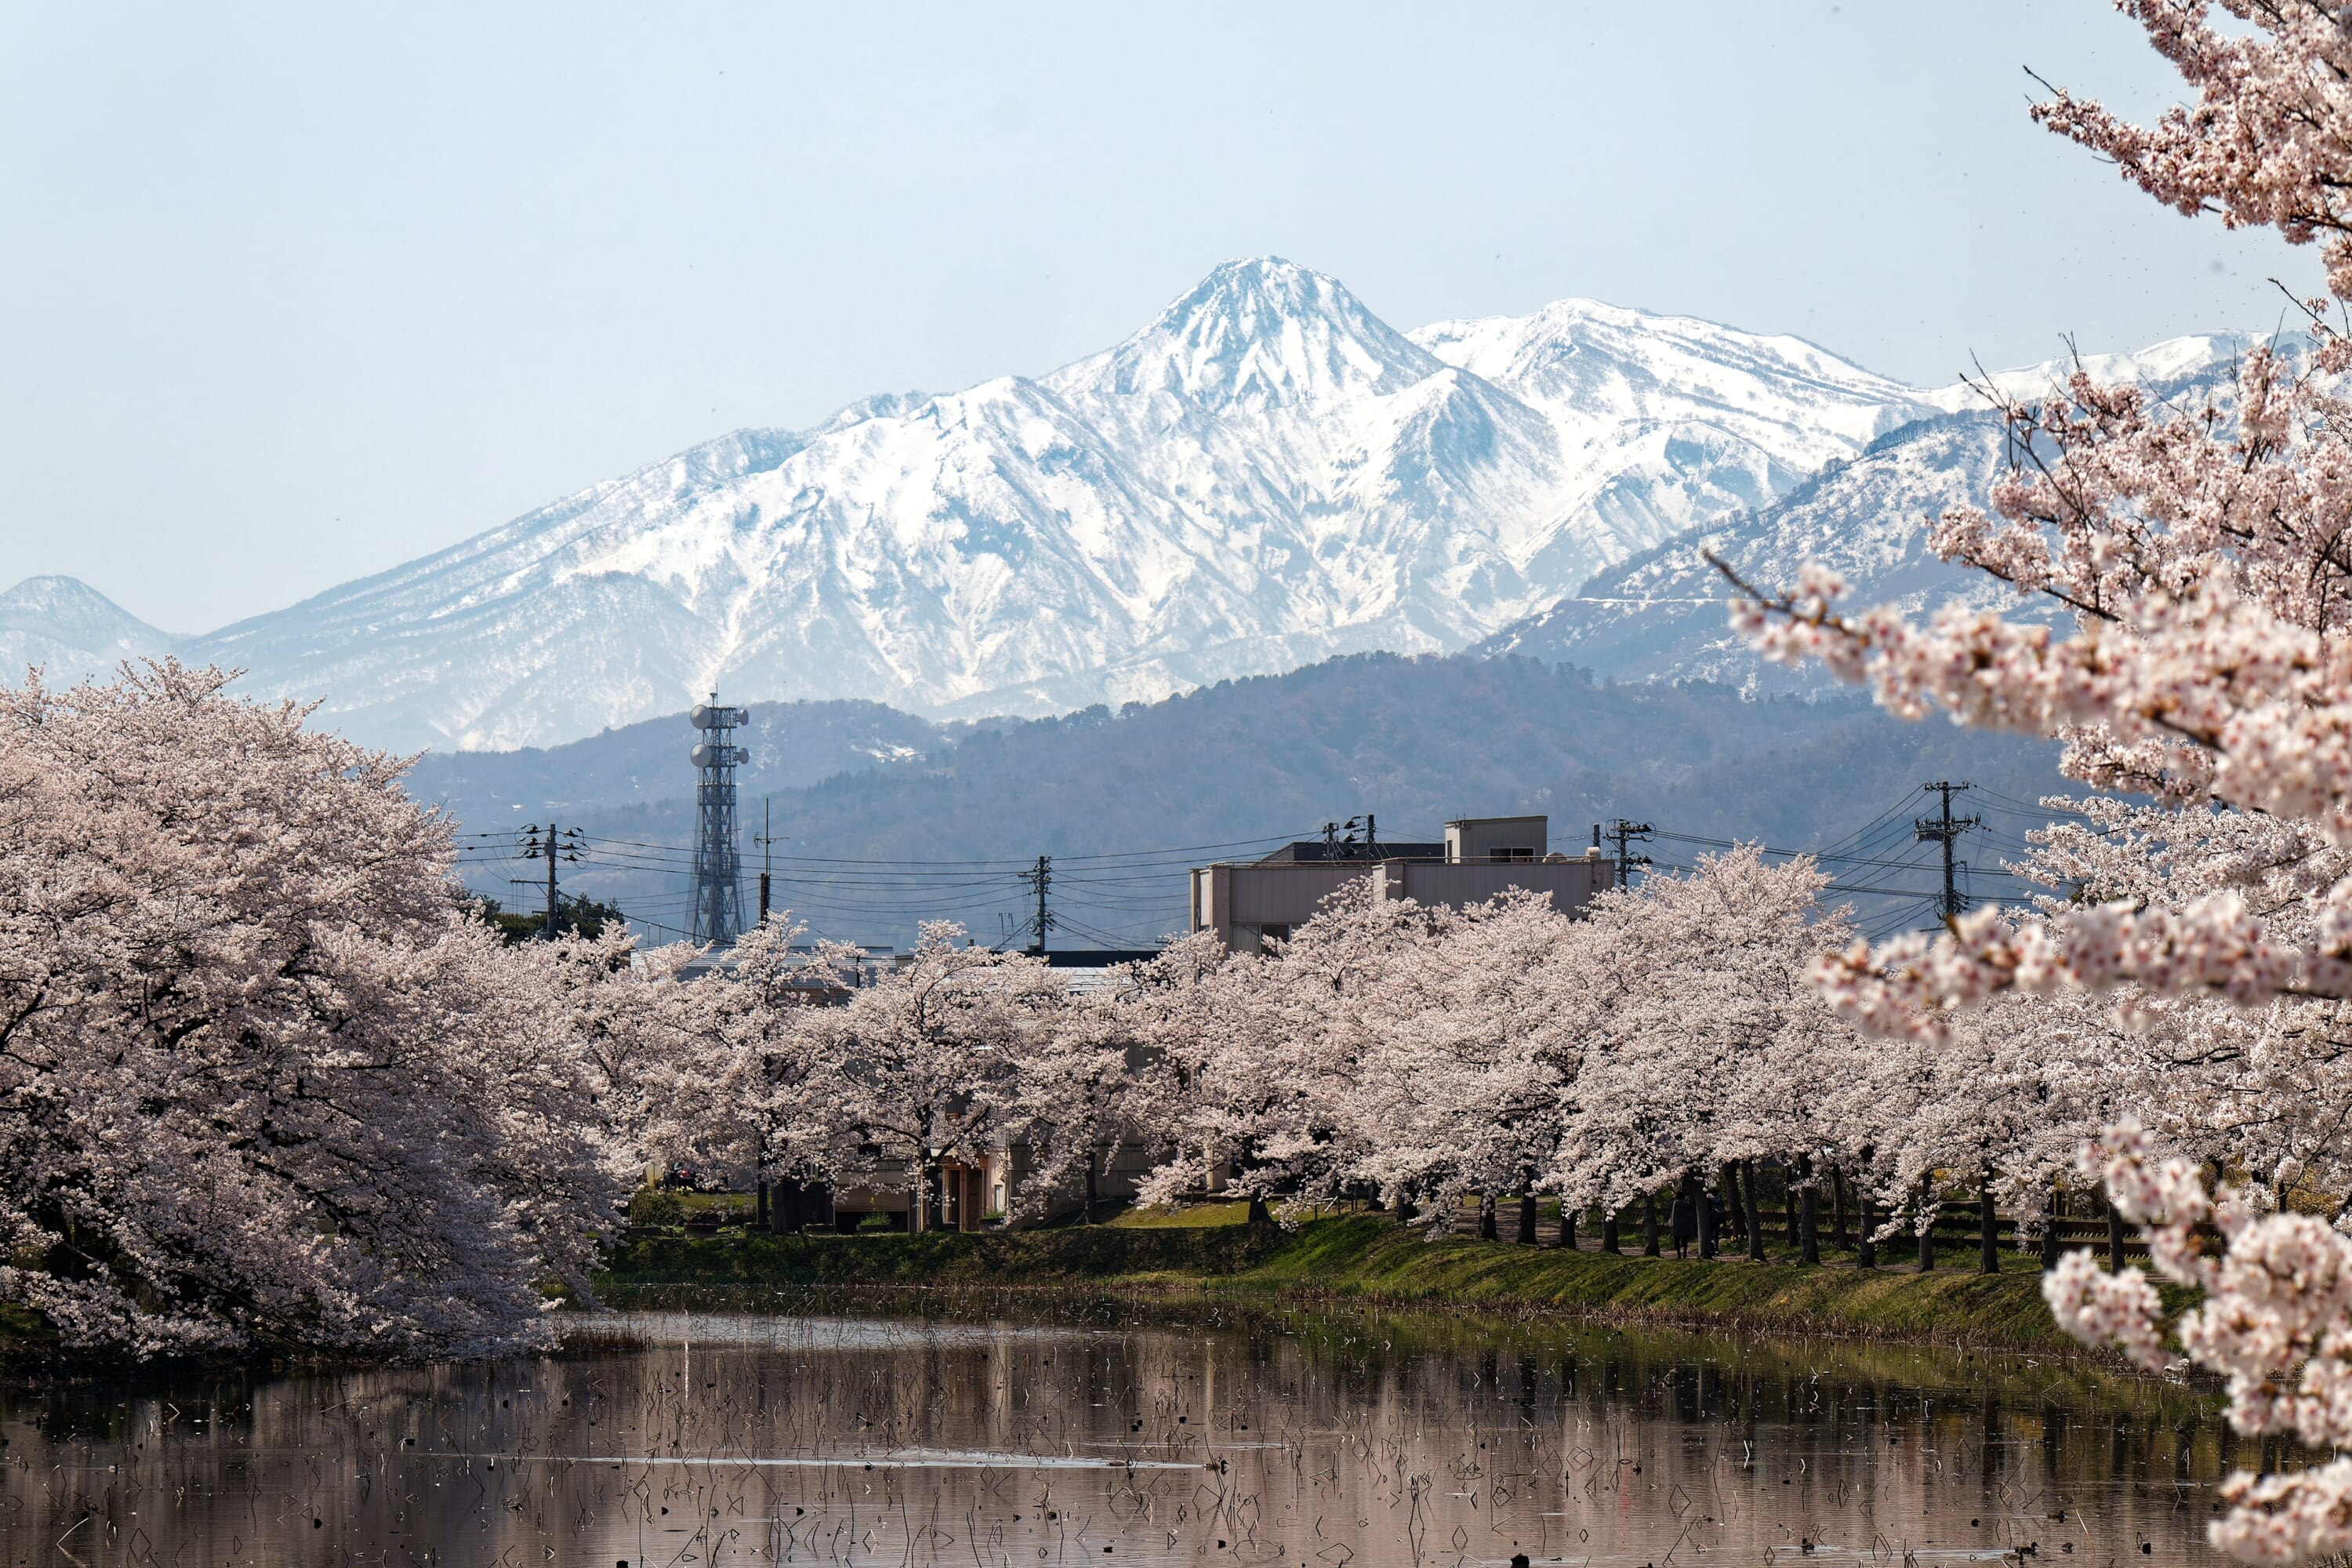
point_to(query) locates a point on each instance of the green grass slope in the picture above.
(1375, 1260)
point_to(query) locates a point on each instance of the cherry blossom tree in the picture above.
(1250, 1043)
(2275, 1321)
(2200, 547)
(1702, 1043)
(264, 1080)
(928, 1061)
(1458, 1057)
(729, 1063)
(1120, 1073)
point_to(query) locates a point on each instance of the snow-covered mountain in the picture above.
(70, 630)
(1265, 475)
(1662, 615)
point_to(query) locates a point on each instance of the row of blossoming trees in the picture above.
(266, 1077)
(1410, 1056)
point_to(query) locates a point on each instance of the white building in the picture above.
(1481, 859)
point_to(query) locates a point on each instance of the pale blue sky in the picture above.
(296, 293)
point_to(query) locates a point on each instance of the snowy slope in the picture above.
(1265, 475)
(1662, 615)
(2197, 359)
(1666, 421)
(70, 630)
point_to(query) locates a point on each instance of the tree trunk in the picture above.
(1837, 1190)
(1486, 1231)
(1926, 1231)
(1733, 1208)
(2115, 1240)
(1527, 1236)
(1567, 1226)
(764, 1224)
(1988, 1242)
(1258, 1213)
(1649, 1224)
(1400, 1210)
(1090, 1186)
(1866, 1250)
(1609, 1238)
(1809, 1207)
(2050, 1231)
(1754, 1214)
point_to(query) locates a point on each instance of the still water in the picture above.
(1107, 1434)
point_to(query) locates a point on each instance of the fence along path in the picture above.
(1955, 1228)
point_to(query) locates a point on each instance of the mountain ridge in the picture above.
(1663, 613)
(940, 821)
(1265, 475)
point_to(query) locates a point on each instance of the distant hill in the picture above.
(793, 744)
(1124, 802)
(69, 629)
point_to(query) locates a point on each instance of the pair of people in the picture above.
(1683, 1220)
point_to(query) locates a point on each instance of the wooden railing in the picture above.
(1955, 1226)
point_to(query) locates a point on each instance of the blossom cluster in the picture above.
(2200, 545)
(2275, 1321)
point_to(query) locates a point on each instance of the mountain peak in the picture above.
(60, 603)
(1261, 331)
(1252, 286)
(70, 630)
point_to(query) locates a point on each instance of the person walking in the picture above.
(1683, 1220)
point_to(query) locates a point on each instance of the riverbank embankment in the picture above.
(1377, 1261)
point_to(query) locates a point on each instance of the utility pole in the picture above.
(1625, 835)
(1041, 877)
(1945, 829)
(764, 841)
(550, 848)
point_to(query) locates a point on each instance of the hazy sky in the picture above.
(295, 294)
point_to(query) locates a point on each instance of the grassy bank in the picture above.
(1075, 1255)
(1375, 1260)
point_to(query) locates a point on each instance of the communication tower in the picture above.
(718, 915)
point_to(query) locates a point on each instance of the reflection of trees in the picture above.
(1343, 1435)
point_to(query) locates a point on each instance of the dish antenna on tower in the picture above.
(718, 917)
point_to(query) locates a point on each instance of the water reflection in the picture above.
(1306, 1440)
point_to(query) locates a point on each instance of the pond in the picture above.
(1106, 1433)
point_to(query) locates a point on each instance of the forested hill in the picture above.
(1413, 741)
